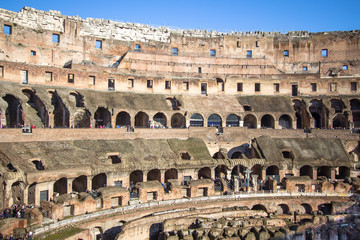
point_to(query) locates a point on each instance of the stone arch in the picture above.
(135, 177)
(214, 120)
(102, 117)
(319, 113)
(171, 174)
(282, 209)
(79, 184)
(61, 113)
(343, 172)
(306, 170)
(82, 118)
(285, 121)
(99, 181)
(196, 120)
(178, 121)
(38, 165)
(257, 170)
(160, 119)
(250, 121)
(174, 103)
(355, 111)
(241, 151)
(259, 207)
(326, 208)
(154, 175)
(17, 192)
(77, 98)
(267, 121)
(204, 173)
(340, 121)
(31, 194)
(324, 171)
(305, 208)
(36, 103)
(221, 171)
(14, 112)
(239, 170)
(60, 186)
(218, 155)
(302, 116)
(232, 120)
(338, 105)
(220, 84)
(141, 120)
(123, 119)
(272, 170)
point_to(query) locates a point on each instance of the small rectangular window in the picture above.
(98, 44)
(174, 51)
(199, 69)
(167, 84)
(71, 78)
(276, 87)
(333, 87)
(118, 183)
(257, 43)
(257, 87)
(345, 67)
(56, 38)
(304, 68)
(130, 82)
(149, 83)
(92, 80)
(137, 48)
(286, 53)
(1, 71)
(238, 44)
(185, 85)
(7, 29)
(354, 86)
(313, 87)
(24, 76)
(240, 87)
(111, 84)
(212, 53)
(48, 76)
(324, 53)
(249, 54)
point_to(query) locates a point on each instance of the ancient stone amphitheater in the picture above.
(113, 130)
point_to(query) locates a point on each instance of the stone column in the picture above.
(51, 119)
(89, 182)
(276, 124)
(113, 121)
(69, 185)
(162, 176)
(314, 173)
(332, 174)
(263, 174)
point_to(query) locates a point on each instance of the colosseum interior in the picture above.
(113, 130)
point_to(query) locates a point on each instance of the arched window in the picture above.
(214, 120)
(196, 120)
(232, 120)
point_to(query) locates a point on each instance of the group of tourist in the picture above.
(28, 236)
(93, 193)
(15, 211)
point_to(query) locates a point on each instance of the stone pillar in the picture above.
(236, 183)
(254, 181)
(89, 182)
(332, 174)
(212, 173)
(92, 122)
(162, 176)
(69, 185)
(276, 124)
(314, 173)
(26, 195)
(51, 119)
(132, 121)
(263, 174)
(282, 174)
(205, 122)
(113, 121)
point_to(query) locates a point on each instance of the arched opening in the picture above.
(160, 120)
(282, 209)
(285, 121)
(171, 174)
(221, 85)
(154, 175)
(79, 184)
(61, 113)
(239, 170)
(319, 114)
(218, 155)
(232, 120)
(38, 165)
(174, 103)
(196, 120)
(257, 170)
(214, 120)
(250, 121)
(77, 98)
(340, 121)
(259, 207)
(267, 121)
(99, 181)
(141, 120)
(221, 172)
(135, 177)
(324, 171)
(36, 103)
(102, 118)
(325, 208)
(242, 151)
(31, 194)
(306, 171)
(305, 209)
(204, 173)
(60, 186)
(178, 121)
(123, 119)
(302, 116)
(13, 112)
(17, 191)
(338, 105)
(355, 111)
(343, 173)
(273, 172)
(82, 118)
